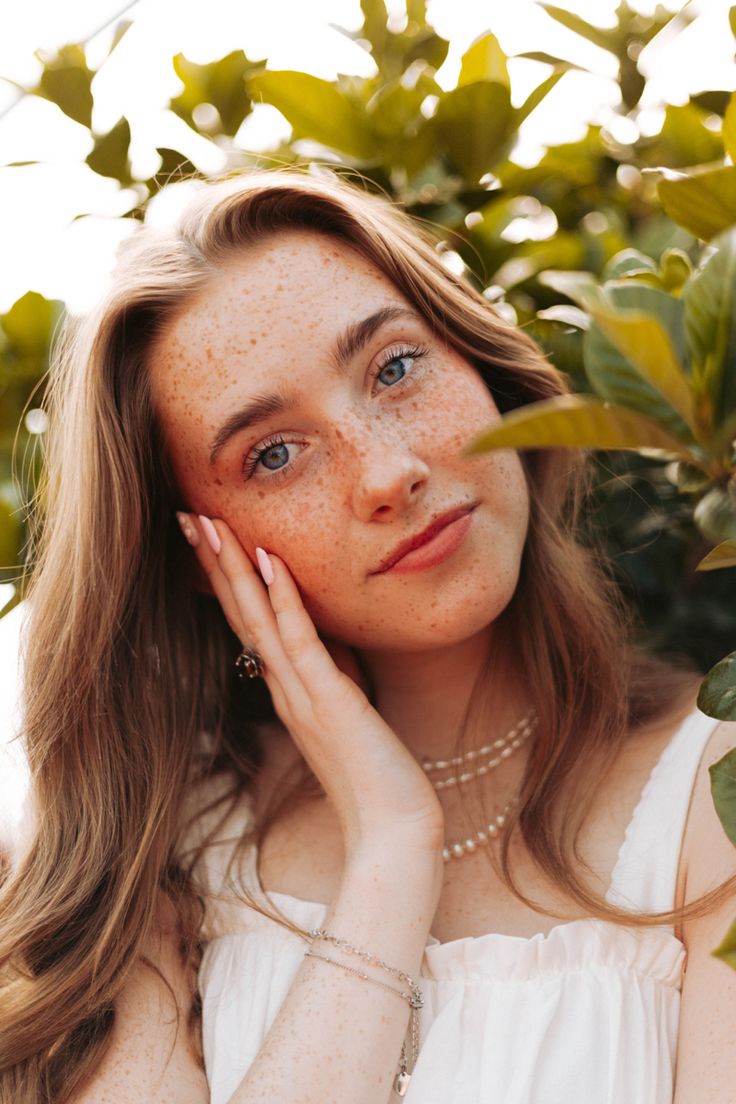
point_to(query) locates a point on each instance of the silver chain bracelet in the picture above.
(413, 997)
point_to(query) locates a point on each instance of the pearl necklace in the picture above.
(482, 838)
(505, 746)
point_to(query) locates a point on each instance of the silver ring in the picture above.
(249, 664)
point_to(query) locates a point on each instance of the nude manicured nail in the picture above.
(187, 528)
(210, 534)
(265, 565)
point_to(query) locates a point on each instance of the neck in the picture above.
(424, 696)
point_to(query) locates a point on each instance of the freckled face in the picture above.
(366, 457)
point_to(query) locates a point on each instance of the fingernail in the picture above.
(210, 534)
(265, 565)
(187, 528)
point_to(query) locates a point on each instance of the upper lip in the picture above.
(437, 523)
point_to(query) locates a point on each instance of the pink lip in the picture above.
(433, 545)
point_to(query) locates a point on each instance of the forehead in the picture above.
(264, 322)
(295, 290)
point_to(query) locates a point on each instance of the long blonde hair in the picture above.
(127, 663)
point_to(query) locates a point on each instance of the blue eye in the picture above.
(415, 352)
(275, 450)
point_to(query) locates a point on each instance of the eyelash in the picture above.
(250, 462)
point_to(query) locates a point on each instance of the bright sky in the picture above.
(43, 249)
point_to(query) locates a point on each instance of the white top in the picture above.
(586, 1014)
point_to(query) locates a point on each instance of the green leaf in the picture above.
(581, 287)
(10, 534)
(732, 20)
(220, 83)
(727, 948)
(30, 322)
(628, 262)
(109, 156)
(174, 167)
(375, 26)
(729, 128)
(691, 480)
(475, 124)
(549, 59)
(715, 101)
(723, 788)
(610, 370)
(606, 40)
(688, 139)
(717, 696)
(710, 326)
(715, 514)
(316, 109)
(416, 11)
(574, 421)
(426, 46)
(646, 344)
(484, 61)
(67, 81)
(675, 269)
(723, 555)
(703, 200)
(536, 96)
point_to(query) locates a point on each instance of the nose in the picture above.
(387, 474)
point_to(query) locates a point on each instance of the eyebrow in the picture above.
(346, 346)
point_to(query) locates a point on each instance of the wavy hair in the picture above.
(126, 660)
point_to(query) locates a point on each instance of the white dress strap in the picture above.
(645, 875)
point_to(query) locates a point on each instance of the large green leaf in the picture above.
(723, 555)
(475, 125)
(66, 80)
(723, 788)
(656, 386)
(109, 156)
(220, 83)
(710, 326)
(316, 109)
(645, 343)
(484, 60)
(703, 200)
(574, 421)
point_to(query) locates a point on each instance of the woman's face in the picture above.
(363, 454)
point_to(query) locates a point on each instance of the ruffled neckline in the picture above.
(573, 945)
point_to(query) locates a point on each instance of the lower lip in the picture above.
(436, 550)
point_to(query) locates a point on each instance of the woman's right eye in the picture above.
(273, 451)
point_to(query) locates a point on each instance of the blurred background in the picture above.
(529, 136)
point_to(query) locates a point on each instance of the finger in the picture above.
(253, 600)
(193, 532)
(311, 660)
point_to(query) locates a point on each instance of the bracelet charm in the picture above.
(413, 997)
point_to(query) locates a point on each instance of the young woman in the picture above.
(446, 770)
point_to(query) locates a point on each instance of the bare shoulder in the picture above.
(707, 1018)
(708, 856)
(151, 1053)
